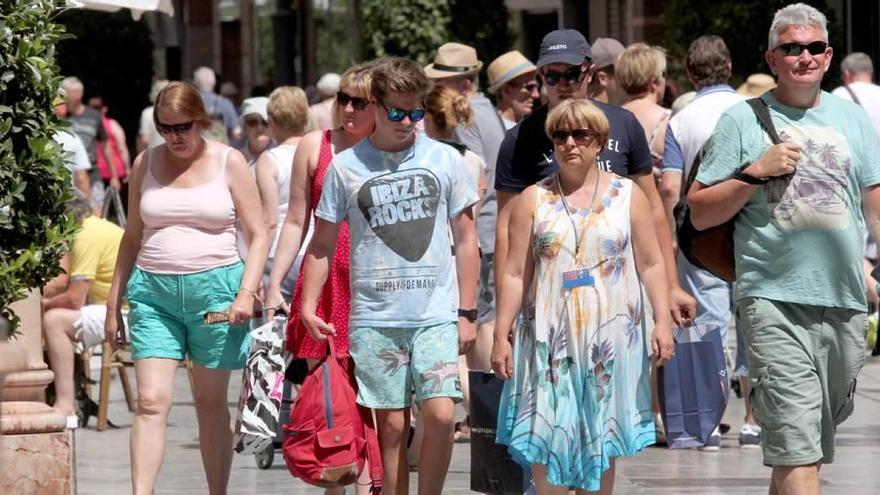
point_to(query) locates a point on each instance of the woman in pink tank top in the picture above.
(188, 291)
(354, 118)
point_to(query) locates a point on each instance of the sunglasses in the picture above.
(580, 136)
(795, 49)
(529, 86)
(356, 103)
(165, 129)
(253, 122)
(572, 75)
(397, 114)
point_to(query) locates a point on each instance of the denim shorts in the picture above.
(803, 363)
(167, 314)
(391, 363)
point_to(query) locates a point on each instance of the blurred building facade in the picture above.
(253, 43)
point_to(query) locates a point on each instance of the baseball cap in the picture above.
(565, 46)
(328, 85)
(606, 51)
(257, 105)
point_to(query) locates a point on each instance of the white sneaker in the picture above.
(714, 442)
(750, 436)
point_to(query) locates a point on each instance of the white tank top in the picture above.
(282, 157)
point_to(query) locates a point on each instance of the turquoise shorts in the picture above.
(391, 363)
(167, 315)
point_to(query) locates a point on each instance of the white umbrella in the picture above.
(138, 7)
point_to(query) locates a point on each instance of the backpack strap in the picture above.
(762, 111)
(374, 454)
(852, 94)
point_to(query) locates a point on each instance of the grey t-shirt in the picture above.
(87, 125)
(484, 138)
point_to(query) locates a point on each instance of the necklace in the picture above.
(577, 238)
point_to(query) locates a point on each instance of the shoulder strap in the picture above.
(762, 111)
(374, 454)
(852, 94)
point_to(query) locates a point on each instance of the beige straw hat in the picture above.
(508, 67)
(756, 85)
(452, 60)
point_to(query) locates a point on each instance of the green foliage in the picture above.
(34, 183)
(743, 24)
(405, 28)
(482, 24)
(416, 28)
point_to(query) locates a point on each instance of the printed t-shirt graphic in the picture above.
(398, 206)
(782, 248)
(401, 208)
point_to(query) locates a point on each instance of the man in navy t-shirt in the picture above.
(526, 154)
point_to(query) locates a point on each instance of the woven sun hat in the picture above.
(508, 67)
(756, 85)
(452, 60)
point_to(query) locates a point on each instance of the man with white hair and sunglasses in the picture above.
(797, 205)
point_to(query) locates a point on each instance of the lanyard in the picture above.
(577, 238)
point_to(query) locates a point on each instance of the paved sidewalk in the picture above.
(103, 465)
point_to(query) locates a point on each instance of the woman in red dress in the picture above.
(354, 118)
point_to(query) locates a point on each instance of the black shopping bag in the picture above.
(693, 387)
(492, 469)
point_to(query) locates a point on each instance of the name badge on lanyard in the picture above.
(579, 277)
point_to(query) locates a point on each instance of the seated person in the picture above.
(74, 311)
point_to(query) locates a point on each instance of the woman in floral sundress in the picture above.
(582, 241)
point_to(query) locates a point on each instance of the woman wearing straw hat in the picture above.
(513, 81)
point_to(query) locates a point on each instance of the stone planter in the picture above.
(36, 451)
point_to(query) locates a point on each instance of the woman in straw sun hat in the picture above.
(513, 81)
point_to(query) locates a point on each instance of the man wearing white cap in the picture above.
(322, 111)
(513, 81)
(603, 85)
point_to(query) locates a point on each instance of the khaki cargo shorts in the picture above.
(803, 363)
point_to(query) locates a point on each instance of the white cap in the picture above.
(257, 105)
(328, 85)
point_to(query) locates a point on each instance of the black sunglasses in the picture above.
(357, 103)
(580, 136)
(255, 121)
(529, 86)
(164, 129)
(572, 75)
(795, 49)
(397, 114)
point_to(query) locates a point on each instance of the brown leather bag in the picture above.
(712, 249)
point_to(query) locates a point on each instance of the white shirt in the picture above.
(693, 125)
(71, 143)
(148, 128)
(869, 99)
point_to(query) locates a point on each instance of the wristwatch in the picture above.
(470, 314)
(750, 179)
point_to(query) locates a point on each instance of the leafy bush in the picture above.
(405, 28)
(34, 183)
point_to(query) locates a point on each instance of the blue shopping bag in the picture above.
(693, 387)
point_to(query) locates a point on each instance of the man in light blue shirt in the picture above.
(400, 193)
